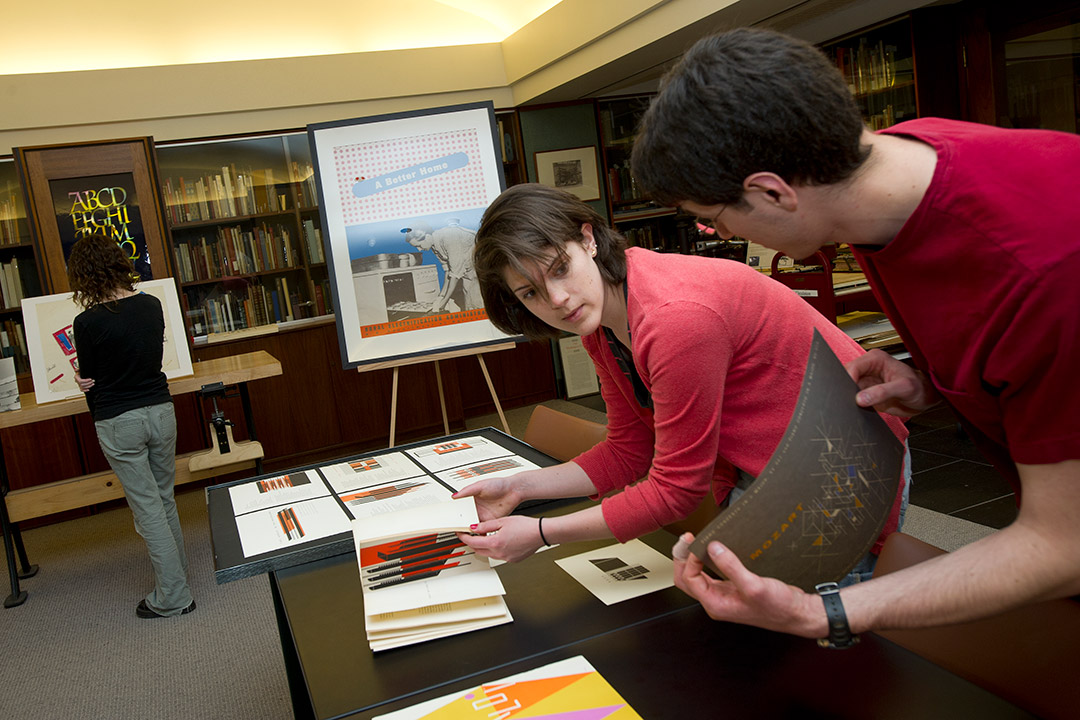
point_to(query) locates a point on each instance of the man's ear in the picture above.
(773, 189)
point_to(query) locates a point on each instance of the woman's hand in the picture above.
(890, 386)
(84, 383)
(495, 497)
(510, 538)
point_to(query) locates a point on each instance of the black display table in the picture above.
(659, 651)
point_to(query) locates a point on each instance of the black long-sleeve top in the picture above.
(120, 346)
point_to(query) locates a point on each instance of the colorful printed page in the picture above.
(371, 500)
(620, 572)
(455, 453)
(413, 558)
(367, 471)
(273, 491)
(571, 689)
(458, 478)
(284, 526)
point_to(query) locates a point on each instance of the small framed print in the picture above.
(573, 170)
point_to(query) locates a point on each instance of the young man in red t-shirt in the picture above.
(969, 237)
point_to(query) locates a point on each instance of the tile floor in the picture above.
(949, 474)
(951, 477)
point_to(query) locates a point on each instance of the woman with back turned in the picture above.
(119, 338)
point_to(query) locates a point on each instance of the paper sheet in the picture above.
(620, 572)
(285, 526)
(455, 453)
(278, 490)
(366, 471)
(570, 688)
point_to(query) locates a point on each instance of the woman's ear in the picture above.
(587, 237)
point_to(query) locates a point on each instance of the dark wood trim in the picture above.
(41, 164)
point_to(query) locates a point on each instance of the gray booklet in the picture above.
(826, 492)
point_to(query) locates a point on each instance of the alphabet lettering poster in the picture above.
(401, 198)
(103, 204)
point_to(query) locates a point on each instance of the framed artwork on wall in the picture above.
(573, 170)
(50, 340)
(401, 197)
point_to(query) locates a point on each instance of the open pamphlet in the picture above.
(419, 581)
(570, 688)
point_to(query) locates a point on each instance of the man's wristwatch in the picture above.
(840, 636)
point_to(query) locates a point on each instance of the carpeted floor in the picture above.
(76, 649)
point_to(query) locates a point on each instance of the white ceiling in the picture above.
(70, 35)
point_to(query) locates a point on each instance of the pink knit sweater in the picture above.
(722, 349)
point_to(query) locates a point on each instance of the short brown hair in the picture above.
(97, 268)
(520, 227)
(745, 101)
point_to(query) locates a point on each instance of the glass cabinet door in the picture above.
(18, 267)
(879, 67)
(243, 216)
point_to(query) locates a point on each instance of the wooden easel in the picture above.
(435, 358)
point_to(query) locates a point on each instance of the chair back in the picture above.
(1030, 655)
(560, 435)
(814, 287)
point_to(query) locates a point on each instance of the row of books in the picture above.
(867, 68)
(13, 344)
(11, 284)
(258, 305)
(621, 183)
(235, 251)
(228, 194)
(313, 240)
(9, 221)
(303, 174)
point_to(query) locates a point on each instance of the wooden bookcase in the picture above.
(642, 222)
(513, 154)
(246, 234)
(19, 276)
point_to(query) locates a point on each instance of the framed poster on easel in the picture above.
(401, 198)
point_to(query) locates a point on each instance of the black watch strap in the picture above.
(840, 636)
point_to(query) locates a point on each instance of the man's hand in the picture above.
(495, 498)
(510, 538)
(890, 386)
(84, 383)
(744, 597)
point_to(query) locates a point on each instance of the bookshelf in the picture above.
(18, 267)
(509, 130)
(878, 64)
(246, 234)
(642, 222)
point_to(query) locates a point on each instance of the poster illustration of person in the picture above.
(402, 198)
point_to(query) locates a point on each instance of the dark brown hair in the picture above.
(97, 268)
(519, 229)
(746, 101)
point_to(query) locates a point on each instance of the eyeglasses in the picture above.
(709, 227)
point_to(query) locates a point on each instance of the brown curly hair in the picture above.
(96, 269)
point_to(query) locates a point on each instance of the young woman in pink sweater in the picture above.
(700, 362)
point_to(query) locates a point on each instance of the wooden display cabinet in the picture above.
(243, 216)
(641, 221)
(19, 276)
(904, 68)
